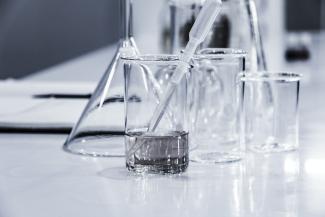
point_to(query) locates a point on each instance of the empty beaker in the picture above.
(215, 118)
(270, 103)
(164, 150)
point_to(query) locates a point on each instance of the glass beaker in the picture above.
(215, 118)
(270, 104)
(236, 27)
(165, 150)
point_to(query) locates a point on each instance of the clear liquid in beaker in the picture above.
(165, 153)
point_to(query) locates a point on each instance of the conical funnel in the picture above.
(100, 129)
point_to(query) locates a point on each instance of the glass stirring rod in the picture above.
(198, 33)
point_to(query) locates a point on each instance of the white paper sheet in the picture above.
(19, 110)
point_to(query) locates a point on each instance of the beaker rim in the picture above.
(161, 58)
(201, 54)
(270, 76)
(221, 53)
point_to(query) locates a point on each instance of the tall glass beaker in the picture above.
(236, 27)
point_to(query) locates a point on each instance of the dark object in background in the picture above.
(298, 53)
(36, 34)
(303, 15)
(221, 33)
(221, 30)
(186, 28)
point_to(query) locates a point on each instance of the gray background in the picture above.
(35, 34)
(302, 15)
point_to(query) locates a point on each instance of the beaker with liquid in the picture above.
(164, 150)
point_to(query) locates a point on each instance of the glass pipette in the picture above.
(198, 33)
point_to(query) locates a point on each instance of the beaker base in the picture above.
(273, 147)
(158, 169)
(214, 157)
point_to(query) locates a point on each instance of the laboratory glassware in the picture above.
(100, 129)
(215, 120)
(270, 111)
(164, 150)
(236, 27)
(197, 34)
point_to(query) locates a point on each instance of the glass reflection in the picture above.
(216, 190)
(271, 183)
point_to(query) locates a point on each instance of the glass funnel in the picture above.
(100, 129)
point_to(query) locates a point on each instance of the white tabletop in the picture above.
(37, 178)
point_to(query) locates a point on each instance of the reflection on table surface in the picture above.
(39, 179)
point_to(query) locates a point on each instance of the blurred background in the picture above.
(38, 34)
